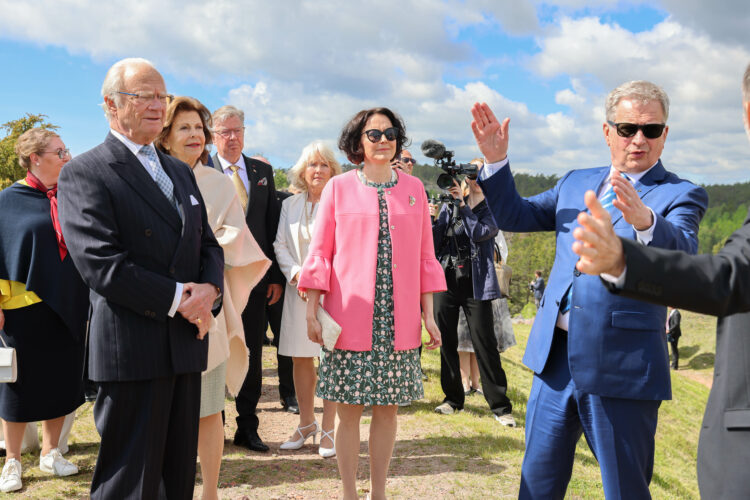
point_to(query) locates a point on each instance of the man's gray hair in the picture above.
(226, 112)
(746, 85)
(640, 91)
(113, 81)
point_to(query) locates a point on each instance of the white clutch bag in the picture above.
(331, 329)
(8, 363)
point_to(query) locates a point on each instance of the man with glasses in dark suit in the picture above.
(136, 228)
(253, 181)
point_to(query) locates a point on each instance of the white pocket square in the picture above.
(193, 201)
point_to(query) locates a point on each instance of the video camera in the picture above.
(444, 159)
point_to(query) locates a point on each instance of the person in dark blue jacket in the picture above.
(464, 233)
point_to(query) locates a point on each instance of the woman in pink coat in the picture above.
(372, 256)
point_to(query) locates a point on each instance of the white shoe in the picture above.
(446, 409)
(10, 480)
(327, 452)
(506, 420)
(296, 445)
(54, 463)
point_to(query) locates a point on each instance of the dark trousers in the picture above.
(480, 319)
(620, 433)
(285, 363)
(675, 352)
(254, 322)
(149, 435)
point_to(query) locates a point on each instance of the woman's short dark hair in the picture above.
(186, 104)
(350, 141)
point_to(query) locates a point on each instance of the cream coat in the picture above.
(244, 265)
(293, 341)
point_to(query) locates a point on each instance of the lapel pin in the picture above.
(412, 201)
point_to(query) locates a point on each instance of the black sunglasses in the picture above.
(374, 134)
(650, 130)
(406, 160)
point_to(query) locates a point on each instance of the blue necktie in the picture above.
(158, 174)
(606, 199)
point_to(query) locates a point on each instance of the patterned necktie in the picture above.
(158, 174)
(239, 186)
(606, 199)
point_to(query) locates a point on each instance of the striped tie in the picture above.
(158, 174)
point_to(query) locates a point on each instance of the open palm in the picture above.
(490, 134)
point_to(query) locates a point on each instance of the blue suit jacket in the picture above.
(616, 345)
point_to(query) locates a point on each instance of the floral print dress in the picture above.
(381, 376)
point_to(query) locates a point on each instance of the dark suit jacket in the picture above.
(263, 210)
(479, 228)
(538, 287)
(718, 285)
(674, 331)
(131, 247)
(616, 346)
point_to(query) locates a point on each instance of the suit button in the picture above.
(576, 272)
(172, 270)
(393, 227)
(147, 232)
(388, 192)
(153, 314)
(148, 313)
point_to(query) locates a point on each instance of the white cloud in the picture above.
(701, 76)
(300, 69)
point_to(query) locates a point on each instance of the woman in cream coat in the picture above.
(185, 136)
(310, 174)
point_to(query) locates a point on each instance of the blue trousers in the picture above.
(619, 432)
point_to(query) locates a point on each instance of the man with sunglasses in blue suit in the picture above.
(600, 361)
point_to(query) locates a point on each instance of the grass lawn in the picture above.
(459, 456)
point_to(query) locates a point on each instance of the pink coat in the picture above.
(343, 255)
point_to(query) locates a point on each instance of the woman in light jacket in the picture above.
(309, 175)
(373, 258)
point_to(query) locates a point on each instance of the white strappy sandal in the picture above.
(296, 445)
(327, 452)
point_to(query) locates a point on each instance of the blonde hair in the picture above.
(34, 140)
(296, 174)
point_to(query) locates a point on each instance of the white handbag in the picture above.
(331, 329)
(8, 364)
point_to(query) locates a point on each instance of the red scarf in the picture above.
(34, 182)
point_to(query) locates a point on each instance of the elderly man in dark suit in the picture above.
(253, 181)
(709, 284)
(136, 228)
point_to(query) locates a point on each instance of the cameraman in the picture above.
(464, 232)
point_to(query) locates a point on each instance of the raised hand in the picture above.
(490, 134)
(597, 245)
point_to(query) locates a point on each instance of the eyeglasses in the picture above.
(650, 130)
(374, 134)
(405, 159)
(226, 133)
(61, 153)
(146, 97)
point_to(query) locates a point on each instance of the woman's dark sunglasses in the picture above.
(374, 134)
(650, 130)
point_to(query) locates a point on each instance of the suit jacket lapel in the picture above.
(294, 215)
(130, 169)
(252, 179)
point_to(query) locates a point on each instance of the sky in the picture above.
(301, 69)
